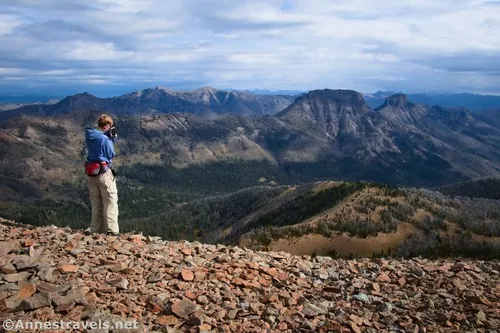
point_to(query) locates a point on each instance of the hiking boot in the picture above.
(111, 233)
(87, 232)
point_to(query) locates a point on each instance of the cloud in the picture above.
(248, 16)
(8, 22)
(366, 45)
(471, 62)
(58, 30)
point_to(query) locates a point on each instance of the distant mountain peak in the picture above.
(206, 89)
(84, 94)
(397, 100)
(328, 112)
(155, 90)
(344, 97)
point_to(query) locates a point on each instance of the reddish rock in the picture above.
(116, 246)
(355, 327)
(187, 275)
(199, 275)
(282, 326)
(118, 267)
(221, 314)
(204, 328)
(68, 268)
(402, 281)
(263, 281)
(356, 319)
(189, 294)
(120, 308)
(166, 320)
(105, 289)
(270, 298)
(383, 278)
(26, 290)
(460, 317)
(484, 300)
(10, 303)
(235, 289)
(273, 272)
(92, 298)
(137, 239)
(71, 244)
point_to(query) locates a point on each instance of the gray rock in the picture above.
(119, 283)
(72, 297)
(311, 310)
(183, 308)
(16, 277)
(36, 301)
(385, 307)
(156, 277)
(9, 286)
(367, 299)
(46, 273)
(243, 305)
(6, 247)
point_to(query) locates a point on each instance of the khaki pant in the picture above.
(104, 199)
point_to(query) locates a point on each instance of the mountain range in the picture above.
(6, 98)
(208, 100)
(166, 160)
(323, 134)
(473, 102)
(205, 101)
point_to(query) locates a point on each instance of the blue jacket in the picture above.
(99, 146)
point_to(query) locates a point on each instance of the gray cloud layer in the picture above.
(119, 45)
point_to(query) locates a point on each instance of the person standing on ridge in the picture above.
(101, 176)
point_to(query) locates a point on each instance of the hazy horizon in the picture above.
(27, 97)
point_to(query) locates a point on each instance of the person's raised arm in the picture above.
(109, 150)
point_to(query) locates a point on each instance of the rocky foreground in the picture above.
(49, 274)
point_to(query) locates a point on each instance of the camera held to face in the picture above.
(112, 132)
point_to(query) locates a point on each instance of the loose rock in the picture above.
(180, 286)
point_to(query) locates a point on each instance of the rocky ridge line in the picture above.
(50, 273)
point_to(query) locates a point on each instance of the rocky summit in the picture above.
(52, 274)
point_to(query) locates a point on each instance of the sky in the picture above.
(109, 47)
